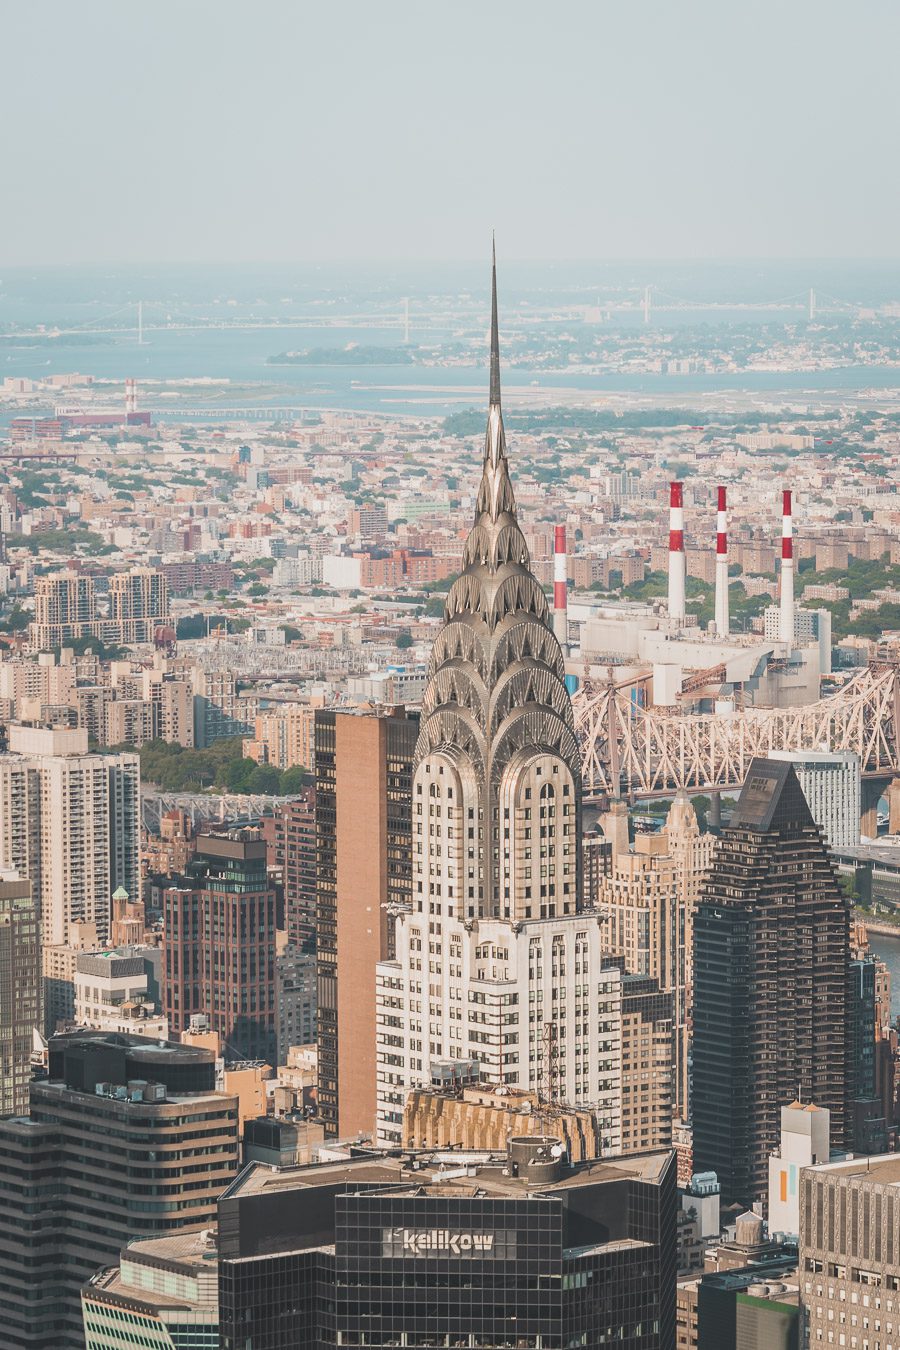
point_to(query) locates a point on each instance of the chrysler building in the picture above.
(498, 971)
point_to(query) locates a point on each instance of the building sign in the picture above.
(405, 1242)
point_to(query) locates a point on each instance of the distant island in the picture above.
(344, 356)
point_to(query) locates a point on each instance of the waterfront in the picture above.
(239, 356)
(888, 949)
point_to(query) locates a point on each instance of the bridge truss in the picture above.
(632, 751)
(201, 807)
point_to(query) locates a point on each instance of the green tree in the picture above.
(404, 640)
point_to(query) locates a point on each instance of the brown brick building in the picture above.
(363, 847)
(219, 958)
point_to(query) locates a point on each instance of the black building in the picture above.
(126, 1138)
(749, 1307)
(449, 1250)
(771, 963)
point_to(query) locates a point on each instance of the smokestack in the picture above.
(560, 588)
(722, 566)
(787, 571)
(676, 553)
(130, 398)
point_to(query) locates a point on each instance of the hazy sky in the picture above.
(266, 130)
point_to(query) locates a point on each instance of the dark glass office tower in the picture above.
(126, 1138)
(771, 965)
(517, 1250)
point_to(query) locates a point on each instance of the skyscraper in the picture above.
(70, 824)
(831, 783)
(20, 990)
(498, 968)
(290, 834)
(770, 984)
(363, 769)
(219, 925)
(516, 1249)
(126, 1138)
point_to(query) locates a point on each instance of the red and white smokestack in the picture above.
(722, 566)
(787, 570)
(130, 398)
(560, 588)
(676, 553)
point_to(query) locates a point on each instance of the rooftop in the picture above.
(884, 1168)
(449, 1173)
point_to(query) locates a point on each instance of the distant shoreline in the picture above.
(878, 926)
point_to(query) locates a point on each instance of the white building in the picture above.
(498, 969)
(344, 574)
(811, 626)
(70, 822)
(111, 994)
(832, 785)
(804, 1143)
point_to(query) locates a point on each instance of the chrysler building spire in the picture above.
(497, 727)
(495, 333)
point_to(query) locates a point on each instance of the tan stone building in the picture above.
(648, 901)
(283, 737)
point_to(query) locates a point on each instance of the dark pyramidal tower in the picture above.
(770, 984)
(497, 718)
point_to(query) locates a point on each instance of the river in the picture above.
(888, 949)
(239, 355)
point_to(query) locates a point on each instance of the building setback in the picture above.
(163, 1294)
(771, 960)
(516, 1249)
(363, 839)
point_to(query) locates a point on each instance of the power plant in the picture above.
(663, 705)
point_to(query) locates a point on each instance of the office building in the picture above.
(70, 824)
(290, 835)
(363, 835)
(295, 999)
(632, 1110)
(84, 1163)
(646, 901)
(849, 1267)
(758, 1306)
(163, 1294)
(20, 990)
(219, 938)
(832, 785)
(497, 961)
(517, 1249)
(771, 961)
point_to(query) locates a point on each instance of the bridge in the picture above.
(223, 808)
(637, 752)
